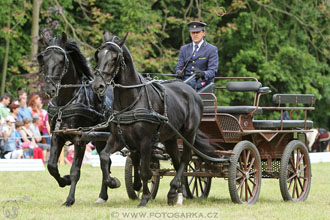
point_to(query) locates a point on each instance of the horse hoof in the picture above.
(65, 181)
(172, 200)
(100, 201)
(115, 183)
(69, 202)
(142, 204)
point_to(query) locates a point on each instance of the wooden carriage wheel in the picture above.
(295, 172)
(196, 186)
(244, 173)
(153, 184)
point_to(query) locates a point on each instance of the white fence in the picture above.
(21, 165)
(94, 161)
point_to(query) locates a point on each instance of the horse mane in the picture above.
(78, 58)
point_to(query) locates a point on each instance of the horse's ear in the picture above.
(46, 36)
(107, 36)
(64, 38)
(122, 41)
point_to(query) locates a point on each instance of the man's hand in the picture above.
(199, 74)
(180, 75)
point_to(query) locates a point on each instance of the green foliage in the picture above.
(284, 44)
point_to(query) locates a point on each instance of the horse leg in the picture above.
(172, 196)
(136, 164)
(79, 152)
(103, 196)
(52, 166)
(145, 172)
(171, 147)
(110, 147)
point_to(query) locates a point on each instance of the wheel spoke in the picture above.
(196, 187)
(290, 184)
(201, 185)
(294, 187)
(293, 176)
(254, 171)
(292, 164)
(191, 167)
(240, 177)
(301, 185)
(241, 184)
(298, 159)
(249, 189)
(251, 164)
(240, 170)
(190, 181)
(246, 191)
(303, 168)
(244, 159)
(241, 163)
(248, 157)
(250, 179)
(297, 188)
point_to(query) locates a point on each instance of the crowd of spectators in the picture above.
(24, 127)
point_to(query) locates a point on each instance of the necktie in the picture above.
(195, 51)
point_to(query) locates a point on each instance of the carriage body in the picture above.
(259, 148)
(278, 147)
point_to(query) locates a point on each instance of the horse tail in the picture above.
(204, 146)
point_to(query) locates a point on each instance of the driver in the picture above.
(198, 57)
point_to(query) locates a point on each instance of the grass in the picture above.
(37, 196)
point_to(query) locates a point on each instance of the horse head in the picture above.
(54, 63)
(110, 61)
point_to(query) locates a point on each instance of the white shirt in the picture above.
(199, 45)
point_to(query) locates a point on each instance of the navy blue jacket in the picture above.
(206, 59)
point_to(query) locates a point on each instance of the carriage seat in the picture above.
(234, 110)
(264, 124)
(246, 86)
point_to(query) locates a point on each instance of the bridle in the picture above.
(120, 64)
(50, 79)
(56, 80)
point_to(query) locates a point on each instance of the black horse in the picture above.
(146, 112)
(73, 105)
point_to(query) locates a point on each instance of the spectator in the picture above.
(4, 102)
(35, 106)
(14, 110)
(27, 152)
(10, 149)
(24, 112)
(37, 136)
(29, 141)
(88, 153)
(69, 158)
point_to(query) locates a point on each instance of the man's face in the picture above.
(7, 101)
(197, 36)
(23, 99)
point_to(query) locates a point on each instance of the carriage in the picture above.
(247, 149)
(250, 149)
